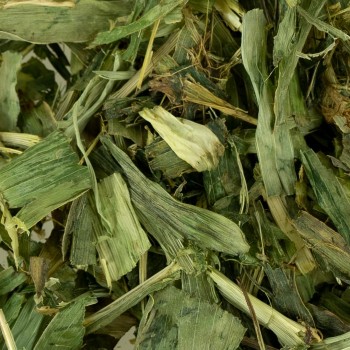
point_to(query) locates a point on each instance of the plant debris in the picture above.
(180, 169)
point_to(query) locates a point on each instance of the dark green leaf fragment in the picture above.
(79, 226)
(178, 321)
(286, 295)
(10, 279)
(26, 329)
(329, 192)
(327, 321)
(162, 157)
(66, 328)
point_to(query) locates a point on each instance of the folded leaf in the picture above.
(192, 142)
(254, 53)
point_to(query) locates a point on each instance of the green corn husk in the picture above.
(43, 178)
